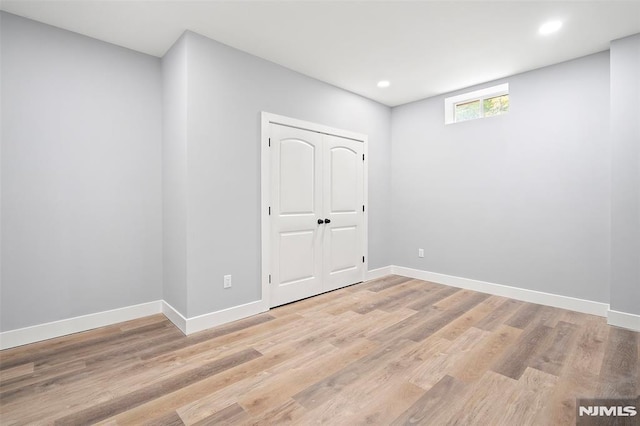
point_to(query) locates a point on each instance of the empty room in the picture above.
(303, 212)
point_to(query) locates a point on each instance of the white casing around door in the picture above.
(314, 177)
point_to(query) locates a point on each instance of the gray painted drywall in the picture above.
(227, 90)
(520, 199)
(1, 133)
(174, 175)
(625, 182)
(81, 175)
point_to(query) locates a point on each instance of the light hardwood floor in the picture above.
(390, 351)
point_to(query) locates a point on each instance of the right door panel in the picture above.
(343, 197)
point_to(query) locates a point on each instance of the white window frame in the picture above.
(477, 95)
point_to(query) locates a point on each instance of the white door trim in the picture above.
(265, 188)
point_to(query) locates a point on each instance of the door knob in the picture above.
(327, 221)
(320, 221)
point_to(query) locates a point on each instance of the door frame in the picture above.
(265, 189)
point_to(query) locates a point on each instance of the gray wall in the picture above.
(520, 199)
(174, 175)
(92, 134)
(227, 90)
(625, 182)
(81, 175)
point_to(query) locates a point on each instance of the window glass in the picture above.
(496, 105)
(468, 110)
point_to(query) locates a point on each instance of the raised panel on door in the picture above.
(296, 203)
(343, 200)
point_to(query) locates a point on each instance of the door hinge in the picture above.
(362, 259)
(269, 278)
(363, 207)
(362, 157)
(269, 141)
(269, 210)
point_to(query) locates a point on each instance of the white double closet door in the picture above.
(317, 213)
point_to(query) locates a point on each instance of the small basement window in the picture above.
(477, 104)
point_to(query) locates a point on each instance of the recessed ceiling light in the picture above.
(383, 83)
(550, 27)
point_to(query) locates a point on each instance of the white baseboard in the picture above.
(36, 333)
(624, 320)
(378, 273)
(174, 316)
(203, 322)
(532, 296)
(23, 336)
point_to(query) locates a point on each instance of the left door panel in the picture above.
(296, 205)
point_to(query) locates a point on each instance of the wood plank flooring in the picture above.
(392, 351)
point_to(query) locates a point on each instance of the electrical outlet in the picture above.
(420, 252)
(227, 281)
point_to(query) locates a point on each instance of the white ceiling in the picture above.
(423, 48)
